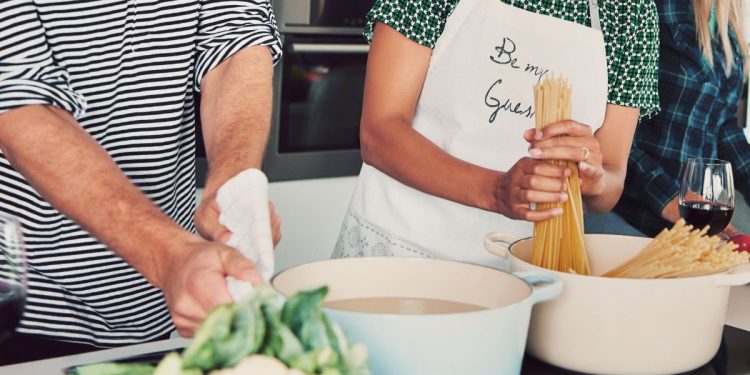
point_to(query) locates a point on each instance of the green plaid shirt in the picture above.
(699, 119)
(630, 30)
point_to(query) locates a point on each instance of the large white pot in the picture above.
(490, 341)
(623, 326)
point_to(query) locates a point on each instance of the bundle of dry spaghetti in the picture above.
(681, 252)
(558, 242)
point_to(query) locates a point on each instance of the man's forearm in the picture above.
(75, 174)
(236, 113)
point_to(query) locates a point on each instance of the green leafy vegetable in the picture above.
(172, 365)
(246, 337)
(296, 332)
(282, 343)
(203, 352)
(303, 313)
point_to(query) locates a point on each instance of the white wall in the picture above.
(311, 215)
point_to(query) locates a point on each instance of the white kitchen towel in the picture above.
(243, 206)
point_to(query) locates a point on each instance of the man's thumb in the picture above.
(235, 264)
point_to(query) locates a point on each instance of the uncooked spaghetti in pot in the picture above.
(681, 252)
(558, 242)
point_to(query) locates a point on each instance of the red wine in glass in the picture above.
(707, 194)
(12, 300)
(699, 214)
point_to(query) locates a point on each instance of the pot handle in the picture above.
(552, 285)
(737, 276)
(499, 244)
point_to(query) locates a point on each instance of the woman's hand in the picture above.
(531, 181)
(572, 141)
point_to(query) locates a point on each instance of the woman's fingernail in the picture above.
(538, 136)
(535, 152)
(583, 166)
(567, 172)
(563, 197)
(556, 211)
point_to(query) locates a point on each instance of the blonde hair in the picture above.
(728, 14)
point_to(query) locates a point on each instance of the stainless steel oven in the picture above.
(318, 89)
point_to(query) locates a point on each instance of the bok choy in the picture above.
(237, 337)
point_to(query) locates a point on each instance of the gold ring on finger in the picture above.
(586, 153)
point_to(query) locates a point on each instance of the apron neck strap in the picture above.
(594, 14)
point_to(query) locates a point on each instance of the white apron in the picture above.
(476, 103)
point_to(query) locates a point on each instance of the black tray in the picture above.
(150, 358)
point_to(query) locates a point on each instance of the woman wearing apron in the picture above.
(448, 111)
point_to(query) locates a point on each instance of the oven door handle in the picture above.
(330, 48)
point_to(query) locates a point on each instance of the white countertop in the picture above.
(738, 316)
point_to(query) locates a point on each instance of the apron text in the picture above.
(505, 105)
(505, 56)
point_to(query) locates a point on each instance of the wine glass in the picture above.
(12, 275)
(707, 194)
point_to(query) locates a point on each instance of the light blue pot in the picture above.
(489, 341)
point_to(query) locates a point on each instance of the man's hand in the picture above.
(275, 224)
(194, 282)
(207, 221)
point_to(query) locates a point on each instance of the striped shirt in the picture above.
(127, 70)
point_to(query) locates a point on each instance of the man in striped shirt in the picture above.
(97, 140)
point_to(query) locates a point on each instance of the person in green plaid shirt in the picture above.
(699, 100)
